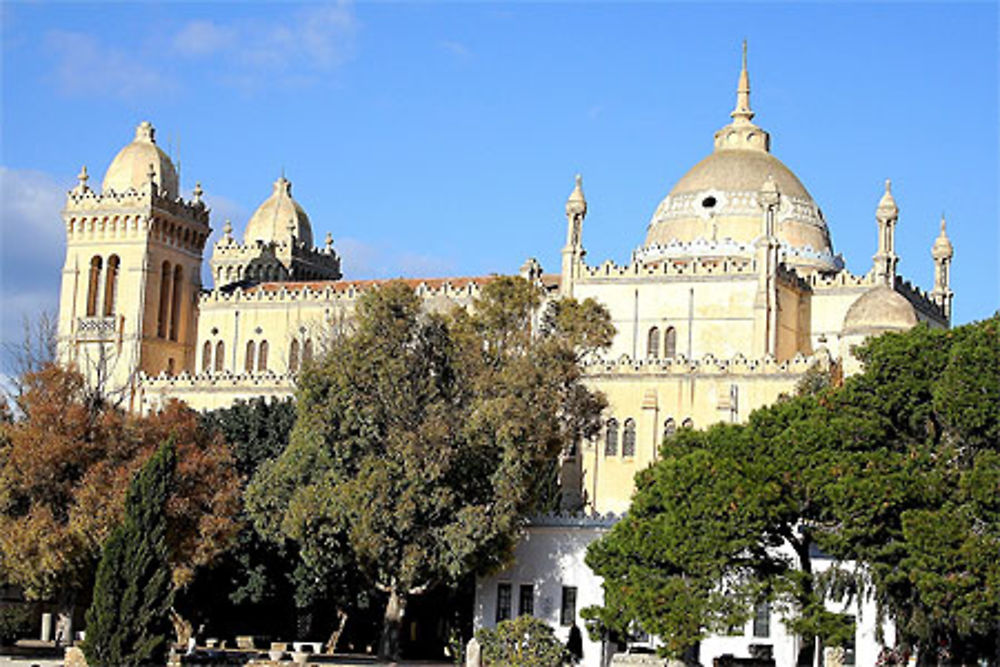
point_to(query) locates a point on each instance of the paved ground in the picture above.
(342, 661)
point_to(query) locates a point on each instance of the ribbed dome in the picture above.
(130, 168)
(878, 310)
(740, 171)
(716, 201)
(279, 217)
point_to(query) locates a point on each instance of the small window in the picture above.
(669, 428)
(96, 264)
(293, 356)
(611, 438)
(206, 357)
(111, 286)
(567, 611)
(653, 343)
(251, 353)
(177, 298)
(628, 438)
(670, 343)
(709, 202)
(526, 600)
(503, 602)
(170, 366)
(687, 423)
(262, 356)
(220, 353)
(762, 619)
(307, 352)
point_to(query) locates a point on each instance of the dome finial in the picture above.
(887, 207)
(742, 113)
(577, 203)
(145, 132)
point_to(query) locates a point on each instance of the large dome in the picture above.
(279, 217)
(130, 168)
(716, 202)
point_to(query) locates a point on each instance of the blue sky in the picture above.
(442, 139)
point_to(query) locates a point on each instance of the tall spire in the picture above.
(742, 113)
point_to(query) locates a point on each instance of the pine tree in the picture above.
(128, 622)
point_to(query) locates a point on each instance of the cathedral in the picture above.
(732, 296)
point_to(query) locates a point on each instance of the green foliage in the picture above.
(898, 470)
(128, 621)
(256, 430)
(421, 440)
(15, 622)
(522, 642)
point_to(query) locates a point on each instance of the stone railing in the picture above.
(96, 328)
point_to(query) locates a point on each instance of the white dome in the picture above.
(279, 217)
(131, 167)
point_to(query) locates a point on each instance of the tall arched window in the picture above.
(669, 428)
(175, 308)
(670, 343)
(251, 353)
(111, 285)
(293, 356)
(220, 354)
(628, 438)
(687, 423)
(611, 438)
(206, 357)
(262, 356)
(94, 285)
(164, 313)
(653, 343)
(307, 352)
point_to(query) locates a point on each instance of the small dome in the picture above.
(130, 168)
(878, 310)
(279, 217)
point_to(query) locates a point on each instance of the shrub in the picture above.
(524, 642)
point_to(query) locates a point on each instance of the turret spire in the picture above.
(742, 113)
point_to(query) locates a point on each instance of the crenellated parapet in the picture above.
(347, 290)
(141, 212)
(708, 365)
(921, 299)
(674, 267)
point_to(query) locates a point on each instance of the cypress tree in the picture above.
(128, 621)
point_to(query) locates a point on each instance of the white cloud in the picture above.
(84, 66)
(32, 247)
(315, 39)
(457, 49)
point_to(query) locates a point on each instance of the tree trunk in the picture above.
(807, 649)
(182, 628)
(392, 622)
(331, 644)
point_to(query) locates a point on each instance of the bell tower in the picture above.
(130, 284)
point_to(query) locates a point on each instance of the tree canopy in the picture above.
(423, 439)
(65, 465)
(895, 474)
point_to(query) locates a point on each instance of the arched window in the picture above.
(175, 308)
(206, 357)
(94, 285)
(653, 343)
(111, 285)
(687, 423)
(307, 352)
(628, 438)
(293, 356)
(262, 356)
(170, 366)
(164, 313)
(220, 354)
(670, 343)
(611, 438)
(669, 428)
(251, 352)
